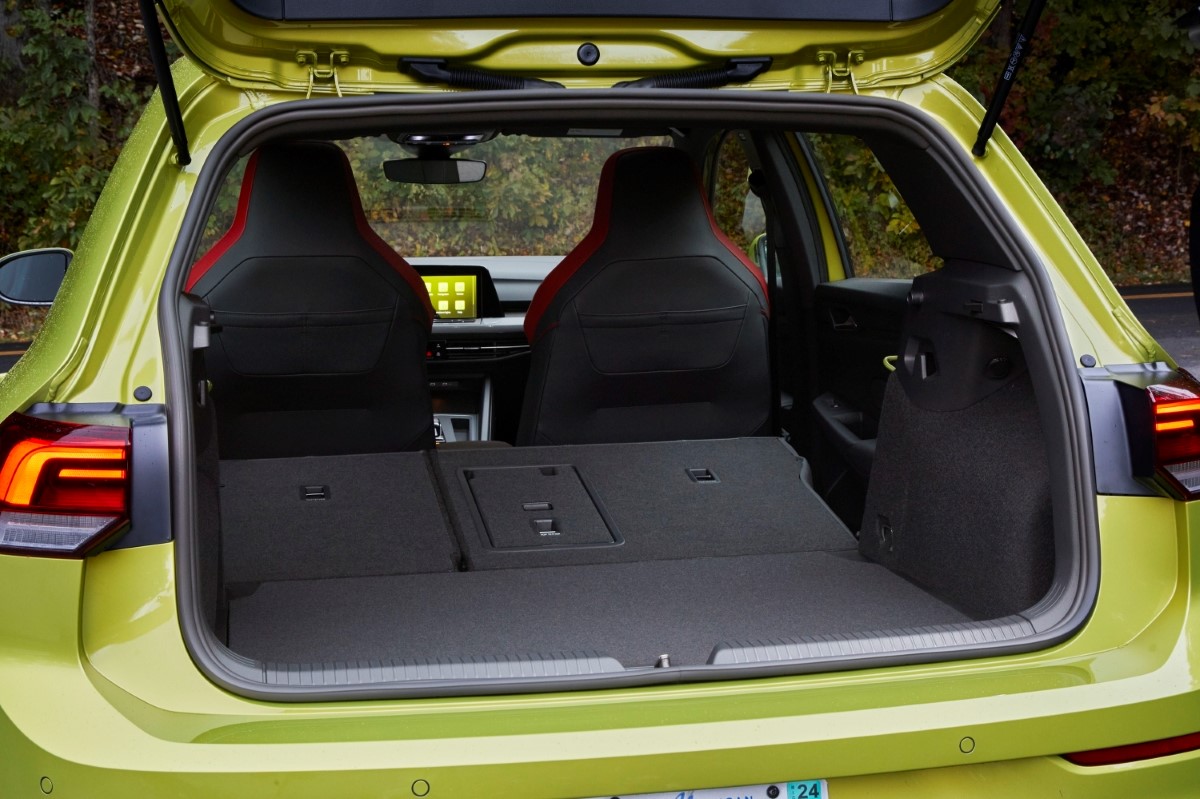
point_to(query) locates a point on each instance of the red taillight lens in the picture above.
(1175, 410)
(1134, 752)
(64, 487)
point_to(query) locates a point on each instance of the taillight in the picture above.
(1175, 420)
(1131, 753)
(64, 487)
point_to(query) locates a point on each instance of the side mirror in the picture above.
(32, 277)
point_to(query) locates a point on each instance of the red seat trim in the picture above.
(586, 248)
(737, 251)
(361, 224)
(368, 234)
(579, 255)
(236, 229)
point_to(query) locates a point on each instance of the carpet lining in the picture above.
(633, 612)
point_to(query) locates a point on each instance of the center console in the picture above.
(462, 408)
(473, 349)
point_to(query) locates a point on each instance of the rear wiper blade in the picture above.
(736, 70)
(437, 70)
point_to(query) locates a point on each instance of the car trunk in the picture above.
(464, 563)
(479, 568)
(476, 564)
(638, 552)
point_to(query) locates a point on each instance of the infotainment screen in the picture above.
(453, 296)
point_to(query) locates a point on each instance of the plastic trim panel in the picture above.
(563, 664)
(839, 646)
(1113, 460)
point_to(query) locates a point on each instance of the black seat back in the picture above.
(959, 499)
(320, 328)
(655, 326)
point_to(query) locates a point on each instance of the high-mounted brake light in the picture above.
(1175, 421)
(64, 487)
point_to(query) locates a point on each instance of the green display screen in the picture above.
(453, 296)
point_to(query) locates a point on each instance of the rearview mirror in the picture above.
(33, 277)
(439, 170)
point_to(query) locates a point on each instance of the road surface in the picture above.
(1169, 313)
(10, 352)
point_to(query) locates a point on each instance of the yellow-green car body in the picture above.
(100, 696)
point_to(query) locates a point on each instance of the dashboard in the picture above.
(477, 358)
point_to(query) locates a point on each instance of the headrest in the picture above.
(650, 204)
(653, 189)
(294, 193)
(305, 184)
(300, 199)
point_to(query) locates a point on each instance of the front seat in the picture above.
(654, 327)
(320, 328)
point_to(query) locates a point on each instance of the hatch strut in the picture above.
(166, 86)
(1005, 84)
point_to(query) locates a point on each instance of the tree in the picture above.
(61, 129)
(1107, 109)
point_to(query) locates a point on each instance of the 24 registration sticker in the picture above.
(802, 789)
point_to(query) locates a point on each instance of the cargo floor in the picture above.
(633, 612)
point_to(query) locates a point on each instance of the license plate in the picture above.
(803, 789)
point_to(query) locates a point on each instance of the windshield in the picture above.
(537, 197)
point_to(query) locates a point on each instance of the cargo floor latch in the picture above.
(323, 68)
(835, 70)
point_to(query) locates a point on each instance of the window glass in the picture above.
(737, 210)
(882, 236)
(537, 198)
(220, 217)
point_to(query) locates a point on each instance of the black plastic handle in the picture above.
(736, 70)
(436, 70)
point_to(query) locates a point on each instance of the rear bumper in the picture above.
(320, 771)
(119, 709)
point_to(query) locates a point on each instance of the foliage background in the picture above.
(73, 77)
(1107, 109)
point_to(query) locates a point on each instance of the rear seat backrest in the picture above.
(961, 403)
(320, 329)
(655, 326)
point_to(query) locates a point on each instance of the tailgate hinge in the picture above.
(323, 68)
(843, 71)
